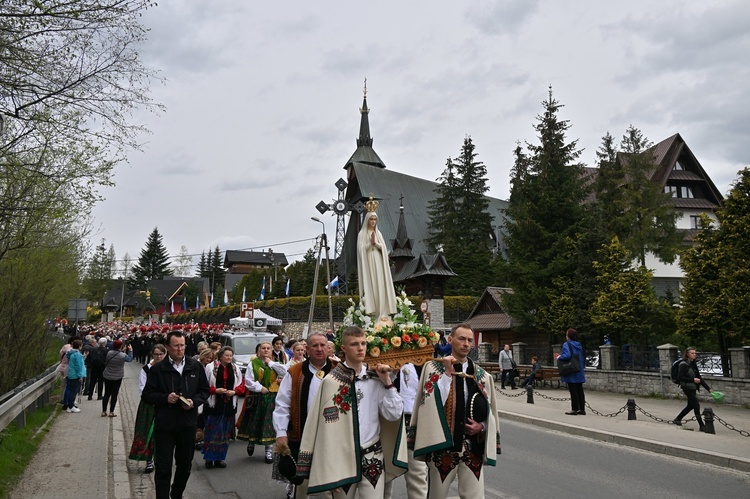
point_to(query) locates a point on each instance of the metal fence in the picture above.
(30, 395)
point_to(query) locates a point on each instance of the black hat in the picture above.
(478, 408)
(288, 469)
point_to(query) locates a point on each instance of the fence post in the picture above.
(529, 394)
(631, 410)
(740, 362)
(708, 418)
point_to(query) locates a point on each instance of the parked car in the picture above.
(244, 344)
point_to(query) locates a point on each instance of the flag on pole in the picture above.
(263, 289)
(243, 294)
(226, 297)
(171, 306)
(334, 283)
(287, 287)
(198, 302)
(211, 305)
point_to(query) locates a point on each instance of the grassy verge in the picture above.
(52, 354)
(18, 446)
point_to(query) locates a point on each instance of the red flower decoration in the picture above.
(415, 337)
(406, 338)
(345, 407)
(344, 390)
(434, 378)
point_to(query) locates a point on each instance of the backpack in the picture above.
(96, 357)
(674, 373)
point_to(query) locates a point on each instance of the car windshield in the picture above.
(245, 345)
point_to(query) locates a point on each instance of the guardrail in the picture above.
(26, 398)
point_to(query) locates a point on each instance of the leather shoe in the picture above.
(149, 467)
(220, 464)
(677, 422)
(250, 449)
(581, 413)
(572, 413)
(209, 464)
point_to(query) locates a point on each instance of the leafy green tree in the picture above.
(37, 283)
(70, 79)
(715, 298)
(153, 262)
(460, 223)
(545, 216)
(626, 306)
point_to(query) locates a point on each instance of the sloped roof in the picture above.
(488, 313)
(433, 265)
(254, 258)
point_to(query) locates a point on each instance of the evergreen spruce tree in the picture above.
(100, 272)
(649, 219)
(203, 265)
(216, 269)
(715, 298)
(545, 219)
(460, 224)
(153, 262)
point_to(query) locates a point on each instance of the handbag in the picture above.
(513, 363)
(570, 366)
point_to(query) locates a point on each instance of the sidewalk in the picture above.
(85, 455)
(726, 448)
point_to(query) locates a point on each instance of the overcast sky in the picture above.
(263, 101)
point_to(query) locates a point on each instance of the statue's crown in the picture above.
(372, 205)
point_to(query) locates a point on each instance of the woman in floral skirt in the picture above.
(262, 381)
(225, 382)
(142, 448)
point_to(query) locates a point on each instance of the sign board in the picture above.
(247, 309)
(77, 309)
(423, 306)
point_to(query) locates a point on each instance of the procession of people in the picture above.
(328, 421)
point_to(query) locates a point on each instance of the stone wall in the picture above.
(737, 391)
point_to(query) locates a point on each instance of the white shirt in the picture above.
(282, 412)
(409, 385)
(375, 398)
(444, 383)
(177, 367)
(255, 386)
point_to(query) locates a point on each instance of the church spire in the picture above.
(364, 125)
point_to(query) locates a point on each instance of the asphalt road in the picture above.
(536, 463)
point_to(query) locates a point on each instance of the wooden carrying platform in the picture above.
(398, 357)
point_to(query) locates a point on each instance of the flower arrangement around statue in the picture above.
(393, 340)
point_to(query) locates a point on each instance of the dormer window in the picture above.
(679, 191)
(678, 166)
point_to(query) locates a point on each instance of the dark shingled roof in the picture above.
(488, 313)
(388, 186)
(254, 258)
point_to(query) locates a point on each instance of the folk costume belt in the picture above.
(377, 446)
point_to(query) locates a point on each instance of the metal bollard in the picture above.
(529, 394)
(631, 410)
(708, 418)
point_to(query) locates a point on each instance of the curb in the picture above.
(714, 458)
(120, 476)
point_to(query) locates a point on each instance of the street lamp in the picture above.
(324, 244)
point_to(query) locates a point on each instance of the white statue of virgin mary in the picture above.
(376, 289)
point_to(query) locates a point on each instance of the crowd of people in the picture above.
(299, 399)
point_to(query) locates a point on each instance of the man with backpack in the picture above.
(96, 364)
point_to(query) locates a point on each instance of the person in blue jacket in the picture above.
(76, 373)
(574, 381)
